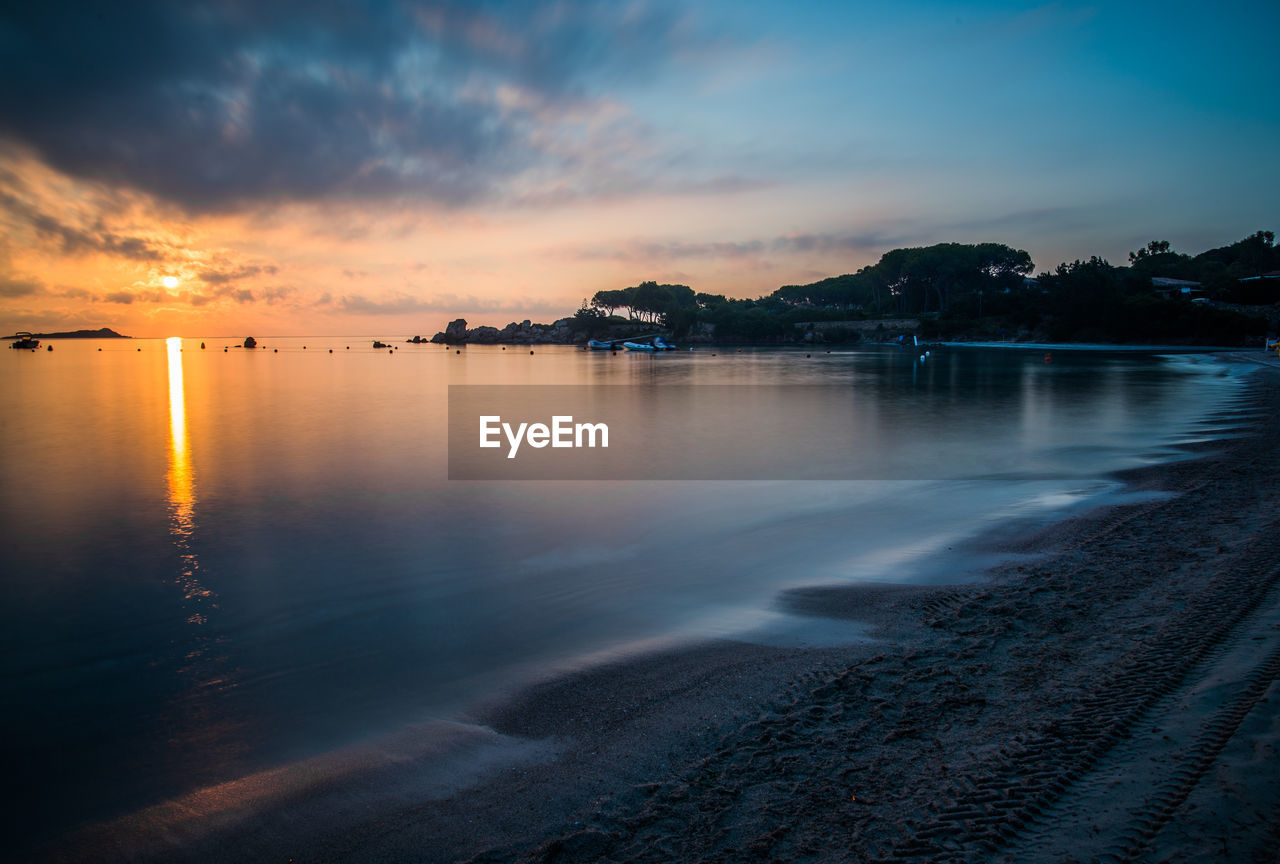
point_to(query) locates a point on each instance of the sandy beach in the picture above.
(1110, 693)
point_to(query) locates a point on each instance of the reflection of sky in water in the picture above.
(318, 579)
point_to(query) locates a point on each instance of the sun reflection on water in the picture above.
(182, 494)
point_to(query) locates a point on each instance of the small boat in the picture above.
(662, 345)
(639, 346)
(25, 341)
(597, 345)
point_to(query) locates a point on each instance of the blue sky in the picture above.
(330, 166)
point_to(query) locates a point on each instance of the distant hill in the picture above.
(104, 333)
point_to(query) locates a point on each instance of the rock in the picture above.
(483, 335)
(250, 342)
(377, 344)
(456, 332)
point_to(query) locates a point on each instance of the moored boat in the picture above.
(638, 346)
(598, 345)
(24, 340)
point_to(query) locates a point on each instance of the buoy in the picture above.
(807, 356)
(275, 350)
(530, 352)
(201, 346)
(348, 347)
(139, 349)
(457, 350)
(99, 350)
(330, 350)
(224, 350)
(50, 347)
(504, 347)
(304, 347)
(390, 352)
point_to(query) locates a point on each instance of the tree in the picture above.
(1155, 247)
(919, 279)
(611, 300)
(589, 319)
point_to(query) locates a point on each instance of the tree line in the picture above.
(957, 287)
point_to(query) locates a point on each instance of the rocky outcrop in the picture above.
(525, 333)
(454, 334)
(250, 342)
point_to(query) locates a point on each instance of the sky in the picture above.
(299, 168)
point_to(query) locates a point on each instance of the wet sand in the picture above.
(1112, 694)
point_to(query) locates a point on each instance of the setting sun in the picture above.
(169, 282)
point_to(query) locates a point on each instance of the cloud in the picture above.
(859, 242)
(76, 241)
(217, 103)
(244, 271)
(225, 289)
(15, 287)
(400, 304)
(648, 251)
(126, 298)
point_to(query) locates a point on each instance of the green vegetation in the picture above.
(982, 291)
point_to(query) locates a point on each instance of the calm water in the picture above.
(219, 562)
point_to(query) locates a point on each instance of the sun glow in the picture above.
(169, 282)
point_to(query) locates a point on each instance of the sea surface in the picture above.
(219, 561)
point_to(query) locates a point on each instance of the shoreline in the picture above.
(1018, 716)
(989, 718)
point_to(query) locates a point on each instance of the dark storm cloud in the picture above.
(210, 104)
